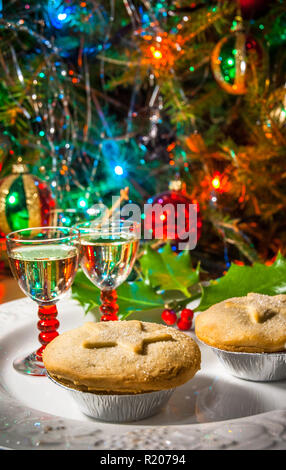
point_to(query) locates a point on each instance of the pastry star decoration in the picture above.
(261, 308)
(129, 335)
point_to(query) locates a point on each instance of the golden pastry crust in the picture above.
(122, 357)
(255, 323)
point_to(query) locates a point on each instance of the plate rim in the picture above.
(37, 430)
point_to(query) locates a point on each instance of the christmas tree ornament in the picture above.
(274, 115)
(170, 217)
(253, 8)
(3, 253)
(236, 60)
(25, 201)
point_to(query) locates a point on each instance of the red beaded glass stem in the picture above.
(48, 325)
(109, 306)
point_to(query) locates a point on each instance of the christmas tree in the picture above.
(96, 96)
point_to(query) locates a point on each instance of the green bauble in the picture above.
(25, 201)
(235, 61)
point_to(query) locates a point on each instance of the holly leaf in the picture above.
(137, 297)
(240, 280)
(132, 297)
(86, 293)
(168, 271)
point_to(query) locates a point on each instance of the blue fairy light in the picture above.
(58, 14)
(118, 170)
(62, 16)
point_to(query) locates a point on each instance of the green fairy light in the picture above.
(82, 203)
(227, 59)
(192, 68)
(41, 133)
(12, 199)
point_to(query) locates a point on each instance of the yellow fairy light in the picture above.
(216, 182)
(157, 54)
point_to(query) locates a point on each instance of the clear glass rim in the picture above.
(115, 227)
(74, 233)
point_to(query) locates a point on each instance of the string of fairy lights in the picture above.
(59, 122)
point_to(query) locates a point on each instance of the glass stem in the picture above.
(109, 306)
(48, 325)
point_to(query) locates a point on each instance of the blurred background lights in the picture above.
(118, 170)
(157, 54)
(82, 203)
(12, 199)
(62, 16)
(216, 182)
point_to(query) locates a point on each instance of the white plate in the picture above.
(212, 411)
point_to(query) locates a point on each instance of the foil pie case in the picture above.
(118, 408)
(258, 367)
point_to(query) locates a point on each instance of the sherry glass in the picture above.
(108, 252)
(44, 261)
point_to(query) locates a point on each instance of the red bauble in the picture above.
(253, 8)
(173, 228)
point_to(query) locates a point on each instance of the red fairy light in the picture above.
(238, 262)
(162, 52)
(220, 182)
(216, 182)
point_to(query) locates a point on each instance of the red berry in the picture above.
(184, 325)
(187, 314)
(169, 316)
(109, 318)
